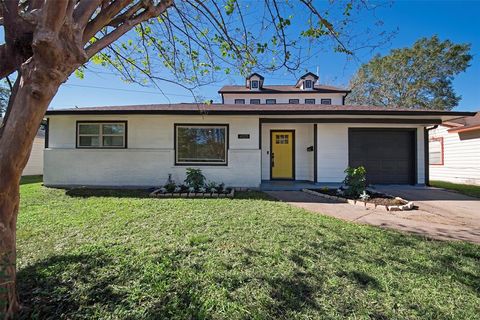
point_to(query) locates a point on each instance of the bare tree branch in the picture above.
(104, 17)
(150, 11)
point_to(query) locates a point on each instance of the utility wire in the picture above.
(125, 90)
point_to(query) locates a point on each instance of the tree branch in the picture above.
(104, 17)
(150, 12)
(84, 11)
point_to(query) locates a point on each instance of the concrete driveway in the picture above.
(441, 214)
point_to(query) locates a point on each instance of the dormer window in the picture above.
(254, 81)
(308, 84)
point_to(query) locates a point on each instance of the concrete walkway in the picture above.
(453, 219)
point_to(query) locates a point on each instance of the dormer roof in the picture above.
(256, 74)
(306, 75)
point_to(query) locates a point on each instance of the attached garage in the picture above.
(388, 155)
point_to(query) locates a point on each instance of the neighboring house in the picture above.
(35, 161)
(259, 133)
(455, 151)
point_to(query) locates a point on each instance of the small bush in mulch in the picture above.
(374, 197)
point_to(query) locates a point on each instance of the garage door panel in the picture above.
(387, 155)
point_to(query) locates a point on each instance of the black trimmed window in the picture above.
(308, 84)
(254, 101)
(293, 101)
(435, 151)
(239, 101)
(254, 84)
(271, 101)
(309, 101)
(201, 144)
(326, 101)
(108, 135)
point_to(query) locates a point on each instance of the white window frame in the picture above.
(270, 101)
(259, 101)
(297, 101)
(201, 126)
(310, 82)
(100, 134)
(257, 84)
(322, 101)
(239, 101)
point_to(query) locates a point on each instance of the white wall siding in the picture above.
(461, 157)
(150, 154)
(149, 157)
(303, 140)
(141, 167)
(35, 162)
(332, 146)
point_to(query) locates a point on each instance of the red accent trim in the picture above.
(442, 151)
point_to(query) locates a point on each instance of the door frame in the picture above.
(414, 161)
(292, 131)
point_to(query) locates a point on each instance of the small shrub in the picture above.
(211, 186)
(355, 180)
(195, 178)
(170, 186)
(221, 187)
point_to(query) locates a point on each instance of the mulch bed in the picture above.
(375, 197)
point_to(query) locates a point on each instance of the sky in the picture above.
(457, 21)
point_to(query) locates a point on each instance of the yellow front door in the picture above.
(282, 154)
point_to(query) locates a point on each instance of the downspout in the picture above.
(426, 137)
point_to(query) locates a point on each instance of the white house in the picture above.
(259, 133)
(35, 161)
(455, 151)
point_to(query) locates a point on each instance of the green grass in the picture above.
(467, 189)
(83, 256)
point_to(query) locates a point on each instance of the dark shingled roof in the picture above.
(253, 109)
(282, 89)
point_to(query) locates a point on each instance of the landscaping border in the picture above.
(368, 205)
(157, 194)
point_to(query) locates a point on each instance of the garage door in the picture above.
(388, 155)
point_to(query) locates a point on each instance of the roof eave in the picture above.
(263, 112)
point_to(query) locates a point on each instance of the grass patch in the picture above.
(127, 257)
(466, 189)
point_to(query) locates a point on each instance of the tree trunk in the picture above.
(37, 86)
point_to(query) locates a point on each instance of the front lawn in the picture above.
(467, 189)
(124, 256)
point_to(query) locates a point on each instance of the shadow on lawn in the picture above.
(93, 283)
(31, 179)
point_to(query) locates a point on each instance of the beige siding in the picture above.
(461, 157)
(35, 162)
(337, 98)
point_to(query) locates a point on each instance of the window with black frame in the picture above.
(101, 134)
(201, 144)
